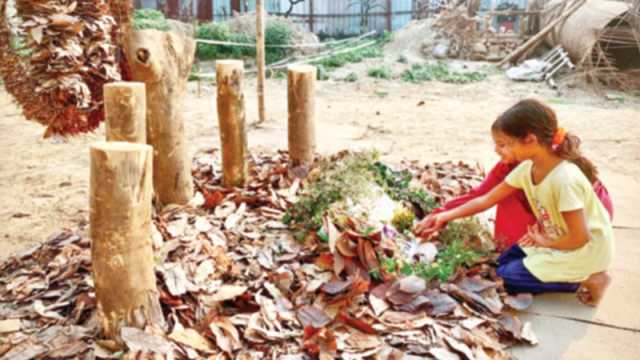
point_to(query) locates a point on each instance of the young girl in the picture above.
(513, 213)
(570, 246)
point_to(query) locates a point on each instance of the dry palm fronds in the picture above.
(69, 53)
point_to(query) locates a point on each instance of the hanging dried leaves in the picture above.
(246, 289)
(57, 60)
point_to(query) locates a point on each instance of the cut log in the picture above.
(232, 122)
(120, 230)
(125, 111)
(162, 61)
(301, 100)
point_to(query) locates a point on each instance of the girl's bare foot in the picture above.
(592, 290)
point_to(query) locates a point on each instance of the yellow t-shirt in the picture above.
(565, 188)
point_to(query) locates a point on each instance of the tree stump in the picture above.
(125, 111)
(301, 100)
(231, 118)
(162, 61)
(120, 230)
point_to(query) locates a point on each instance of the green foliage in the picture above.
(440, 71)
(356, 56)
(220, 31)
(381, 94)
(403, 219)
(403, 59)
(466, 230)
(322, 73)
(148, 14)
(382, 72)
(149, 19)
(385, 38)
(280, 74)
(344, 178)
(448, 260)
(276, 33)
(397, 185)
(352, 77)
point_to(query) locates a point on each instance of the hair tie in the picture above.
(558, 138)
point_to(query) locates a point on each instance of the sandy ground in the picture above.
(44, 183)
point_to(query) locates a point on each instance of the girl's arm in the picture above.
(477, 205)
(493, 179)
(481, 203)
(576, 237)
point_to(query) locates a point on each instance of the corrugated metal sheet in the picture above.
(332, 17)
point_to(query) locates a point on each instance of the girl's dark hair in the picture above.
(533, 117)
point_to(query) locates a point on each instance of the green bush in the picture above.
(322, 73)
(276, 33)
(149, 19)
(353, 77)
(440, 71)
(149, 14)
(380, 73)
(213, 31)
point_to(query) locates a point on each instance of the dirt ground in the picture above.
(44, 182)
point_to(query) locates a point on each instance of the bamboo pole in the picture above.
(533, 41)
(260, 54)
(162, 60)
(232, 123)
(301, 102)
(125, 112)
(120, 230)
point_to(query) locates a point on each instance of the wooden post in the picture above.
(260, 54)
(120, 230)
(162, 60)
(301, 98)
(125, 111)
(231, 119)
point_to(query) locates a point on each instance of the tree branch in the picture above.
(292, 3)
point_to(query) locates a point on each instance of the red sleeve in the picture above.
(493, 179)
(603, 194)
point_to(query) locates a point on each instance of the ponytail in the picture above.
(569, 149)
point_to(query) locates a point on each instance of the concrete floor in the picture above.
(568, 330)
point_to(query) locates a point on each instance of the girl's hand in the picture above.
(429, 225)
(535, 237)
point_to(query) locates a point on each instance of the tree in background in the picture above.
(292, 4)
(366, 7)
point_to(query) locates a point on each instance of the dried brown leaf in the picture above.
(519, 302)
(192, 338)
(309, 315)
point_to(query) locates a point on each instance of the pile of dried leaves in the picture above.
(235, 284)
(67, 52)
